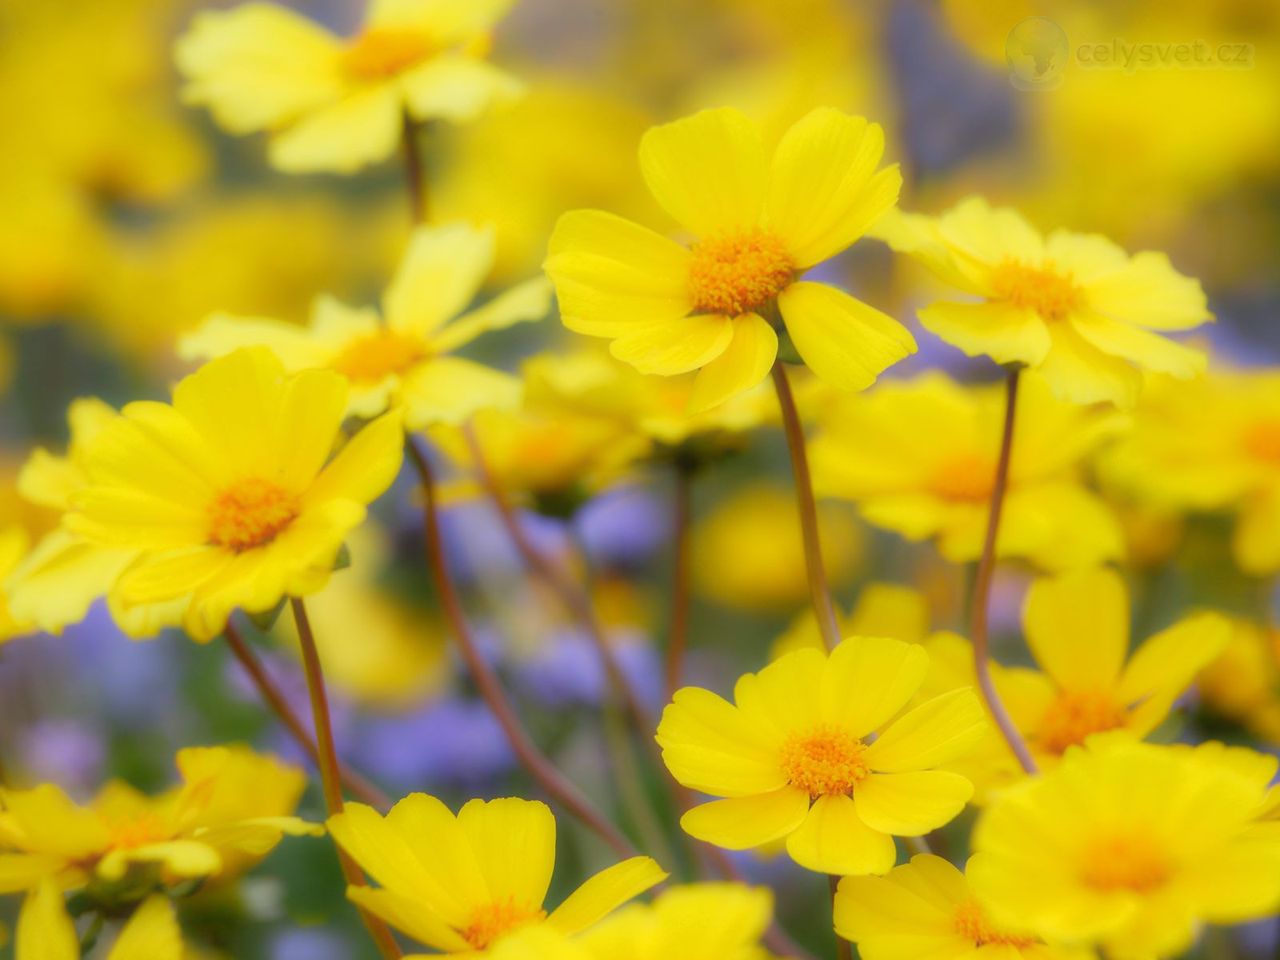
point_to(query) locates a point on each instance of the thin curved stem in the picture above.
(415, 177)
(328, 758)
(355, 782)
(823, 608)
(981, 598)
(678, 638)
(535, 763)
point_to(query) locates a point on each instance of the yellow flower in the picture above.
(404, 360)
(47, 932)
(1211, 445)
(1240, 684)
(463, 884)
(925, 909)
(230, 810)
(334, 103)
(703, 921)
(759, 223)
(226, 494)
(793, 755)
(920, 458)
(13, 547)
(1131, 846)
(1073, 306)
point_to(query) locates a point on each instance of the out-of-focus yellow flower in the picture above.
(229, 495)
(334, 103)
(793, 756)
(695, 922)
(1241, 684)
(13, 547)
(1074, 307)
(1130, 846)
(465, 883)
(748, 553)
(47, 932)
(882, 610)
(404, 360)
(231, 809)
(1211, 445)
(927, 903)
(920, 459)
(759, 223)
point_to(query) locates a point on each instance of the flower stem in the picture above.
(981, 597)
(415, 177)
(535, 763)
(356, 783)
(677, 640)
(328, 759)
(843, 950)
(822, 605)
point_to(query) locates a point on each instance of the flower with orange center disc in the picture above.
(810, 752)
(470, 883)
(228, 497)
(758, 222)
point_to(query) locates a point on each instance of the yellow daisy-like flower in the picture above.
(229, 495)
(1211, 445)
(334, 103)
(1240, 683)
(47, 932)
(759, 222)
(925, 909)
(701, 921)
(920, 458)
(232, 808)
(402, 357)
(794, 756)
(1073, 306)
(1131, 846)
(465, 883)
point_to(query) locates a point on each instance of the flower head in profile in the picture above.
(927, 903)
(919, 457)
(230, 810)
(467, 883)
(699, 921)
(1073, 306)
(757, 223)
(337, 104)
(1131, 846)
(794, 756)
(402, 357)
(47, 932)
(231, 496)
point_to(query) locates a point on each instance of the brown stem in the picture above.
(355, 782)
(981, 597)
(328, 758)
(414, 174)
(677, 641)
(556, 786)
(818, 589)
(843, 950)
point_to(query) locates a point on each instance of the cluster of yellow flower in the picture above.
(1089, 832)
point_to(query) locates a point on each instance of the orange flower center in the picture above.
(250, 513)
(971, 923)
(736, 273)
(965, 477)
(384, 52)
(1043, 289)
(823, 761)
(1073, 716)
(1127, 861)
(371, 358)
(129, 833)
(493, 920)
(1262, 440)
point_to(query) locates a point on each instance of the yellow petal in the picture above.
(514, 842)
(675, 346)
(744, 364)
(441, 272)
(45, 930)
(184, 858)
(451, 390)
(823, 189)
(1256, 542)
(907, 904)
(1148, 291)
(1164, 666)
(1077, 626)
(151, 934)
(50, 823)
(708, 170)
(156, 577)
(781, 695)
(457, 88)
(408, 915)
(833, 839)
(1148, 350)
(845, 342)
(710, 745)
(365, 466)
(524, 302)
(741, 823)
(605, 892)
(989, 234)
(362, 128)
(59, 579)
(911, 804)
(937, 731)
(23, 871)
(868, 680)
(999, 330)
(1078, 372)
(223, 333)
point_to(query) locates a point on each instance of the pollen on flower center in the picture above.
(1262, 440)
(1074, 716)
(250, 513)
(1126, 861)
(493, 920)
(971, 923)
(826, 760)
(371, 358)
(736, 273)
(381, 53)
(966, 477)
(1052, 294)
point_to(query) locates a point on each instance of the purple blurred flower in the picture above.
(622, 528)
(64, 752)
(452, 741)
(310, 943)
(566, 670)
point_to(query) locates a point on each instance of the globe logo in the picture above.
(1036, 51)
